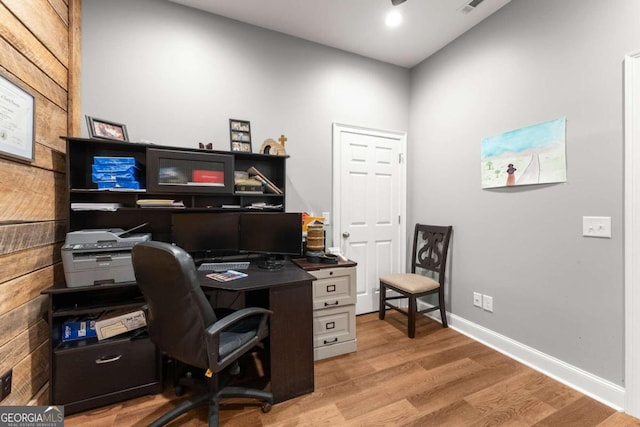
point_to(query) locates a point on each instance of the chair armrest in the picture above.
(212, 336)
(235, 317)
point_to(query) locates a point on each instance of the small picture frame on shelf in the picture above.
(240, 131)
(103, 129)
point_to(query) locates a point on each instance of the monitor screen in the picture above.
(271, 233)
(206, 234)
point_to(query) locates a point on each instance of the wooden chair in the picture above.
(429, 255)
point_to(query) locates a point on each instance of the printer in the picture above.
(98, 256)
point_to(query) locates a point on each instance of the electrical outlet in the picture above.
(487, 303)
(477, 299)
(327, 218)
(5, 384)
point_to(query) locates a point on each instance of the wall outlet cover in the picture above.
(477, 299)
(5, 384)
(487, 303)
(596, 226)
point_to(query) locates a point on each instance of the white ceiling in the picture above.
(357, 26)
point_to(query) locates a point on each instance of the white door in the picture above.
(369, 205)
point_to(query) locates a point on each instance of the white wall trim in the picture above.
(632, 231)
(602, 390)
(586, 383)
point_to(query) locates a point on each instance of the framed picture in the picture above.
(240, 131)
(17, 121)
(104, 129)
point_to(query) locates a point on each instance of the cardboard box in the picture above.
(79, 328)
(117, 322)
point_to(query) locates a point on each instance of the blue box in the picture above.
(79, 328)
(129, 185)
(98, 168)
(113, 176)
(102, 160)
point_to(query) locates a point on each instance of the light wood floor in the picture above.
(441, 378)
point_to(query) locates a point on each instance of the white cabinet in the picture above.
(334, 311)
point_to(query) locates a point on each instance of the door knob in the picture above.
(346, 234)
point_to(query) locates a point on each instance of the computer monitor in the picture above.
(271, 234)
(206, 234)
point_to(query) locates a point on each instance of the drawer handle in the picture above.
(331, 303)
(331, 341)
(108, 359)
(330, 325)
(331, 288)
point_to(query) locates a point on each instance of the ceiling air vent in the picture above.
(471, 5)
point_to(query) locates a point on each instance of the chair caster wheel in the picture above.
(178, 390)
(266, 407)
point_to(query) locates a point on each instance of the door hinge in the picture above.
(400, 157)
(399, 220)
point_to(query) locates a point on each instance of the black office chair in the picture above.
(429, 255)
(183, 324)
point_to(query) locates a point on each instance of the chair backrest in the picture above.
(430, 248)
(178, 311)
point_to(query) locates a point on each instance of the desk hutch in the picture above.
(89, 373)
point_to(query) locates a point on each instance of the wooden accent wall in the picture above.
(39, 49)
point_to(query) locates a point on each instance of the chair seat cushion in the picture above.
(230, 341)
(410, 282)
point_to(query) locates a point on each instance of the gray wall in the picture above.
(532, 61)
(175, 76)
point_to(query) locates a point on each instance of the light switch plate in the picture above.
(596, 226)
(327, 218)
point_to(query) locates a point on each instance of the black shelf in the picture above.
(196, 198)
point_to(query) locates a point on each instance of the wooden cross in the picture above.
(282, 139)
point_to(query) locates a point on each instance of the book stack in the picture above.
(115, 173)
(256, 174)
(160, 203)
(246, 185)
(90, 206)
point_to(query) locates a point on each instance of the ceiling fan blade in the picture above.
(397, 2)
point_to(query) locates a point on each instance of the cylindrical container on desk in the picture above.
(315, 238)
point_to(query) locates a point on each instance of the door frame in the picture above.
(401, 136)
(632, 231)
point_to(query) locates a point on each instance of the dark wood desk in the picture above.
(288, 293)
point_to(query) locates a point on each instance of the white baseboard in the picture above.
(586, 383)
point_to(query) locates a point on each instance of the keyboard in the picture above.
(224, 266)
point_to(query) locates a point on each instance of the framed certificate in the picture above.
(17, 121)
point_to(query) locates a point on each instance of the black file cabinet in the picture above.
(87, 373)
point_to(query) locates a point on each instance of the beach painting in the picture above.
(530, 155)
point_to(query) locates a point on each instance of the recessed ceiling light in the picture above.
(393, 19)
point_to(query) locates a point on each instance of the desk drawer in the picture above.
(334, 288)
(334, 325)
(102, 368)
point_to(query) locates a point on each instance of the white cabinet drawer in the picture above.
(334, 325)
(334, 288)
